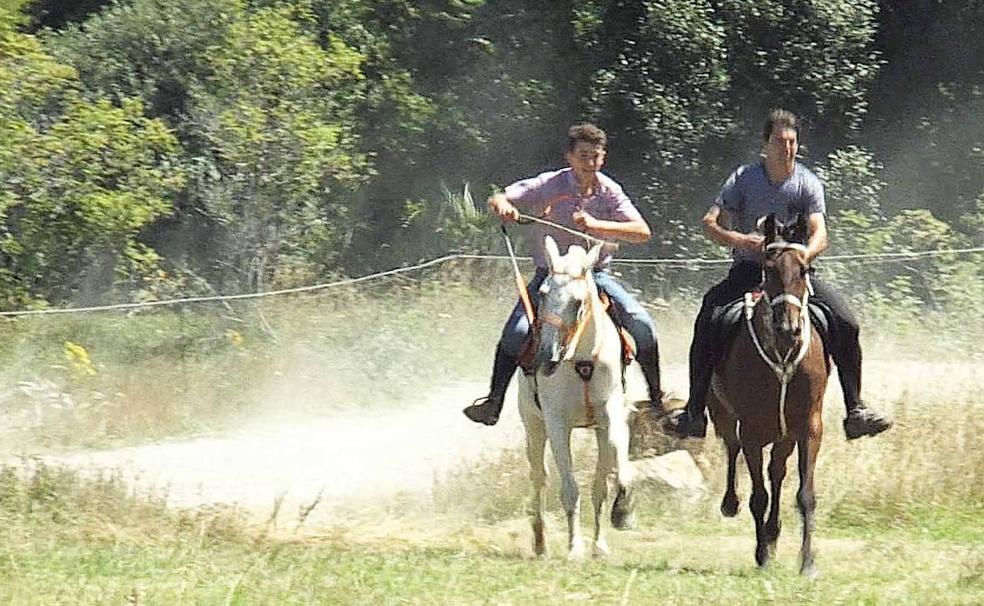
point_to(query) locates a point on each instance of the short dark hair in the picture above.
(589, 133)
(782, 119)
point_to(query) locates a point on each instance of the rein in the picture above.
(783, 369)
(526, 219)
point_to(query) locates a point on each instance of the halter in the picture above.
(571, 335)
(783, 369)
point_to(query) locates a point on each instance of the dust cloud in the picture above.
(336, 460)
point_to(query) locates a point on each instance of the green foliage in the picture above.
(927, 106)
(266, 119)
(662, 74)
(78, 181)
(277, 113)
(814, 56)
(453, 223)
(314, 136)
(11, 15)
(858, 226)
(852, 181)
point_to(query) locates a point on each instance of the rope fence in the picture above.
(864, 258)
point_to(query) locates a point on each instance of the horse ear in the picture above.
(553, 253)
(592, 259)
(770, 228)
(801, 230)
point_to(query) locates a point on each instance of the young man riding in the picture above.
(579, 197)
(776, 184)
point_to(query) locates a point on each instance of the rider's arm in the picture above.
(526, 194)
(501, 207)
(715, 222)
(635, 231)
(817, 242)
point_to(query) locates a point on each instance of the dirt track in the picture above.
(351, 457)
(344, 458)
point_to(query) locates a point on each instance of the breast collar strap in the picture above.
(783, 369)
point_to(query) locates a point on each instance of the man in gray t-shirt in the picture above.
(781, 185)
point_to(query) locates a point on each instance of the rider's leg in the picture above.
(486, 410)
(704, 349)
(640, 325)
(845, 349)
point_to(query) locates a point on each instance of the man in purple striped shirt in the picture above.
(579, 197)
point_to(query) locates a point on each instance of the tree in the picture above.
(78, 181)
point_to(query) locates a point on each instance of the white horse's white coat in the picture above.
(562, 394)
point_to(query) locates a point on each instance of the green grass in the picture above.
(68, 540)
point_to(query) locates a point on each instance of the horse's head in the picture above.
(566, 297)
(786, 283)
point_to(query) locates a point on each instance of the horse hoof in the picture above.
(575, 554)
(762, 556)
(772, 535)
(729, 506)
(623, 517)
(600, 550)
(624, 521)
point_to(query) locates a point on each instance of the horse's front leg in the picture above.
(559, 433)
(536, 438)
(759, 500)
(729, 504)
(726, 426)
(777, 473)
(623, 514)
(599, 496)
(807, 450)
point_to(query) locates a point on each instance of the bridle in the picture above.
(571, 333)
(784, 368)
(571, 336)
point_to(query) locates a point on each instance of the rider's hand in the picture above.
(503, 208)
(584, 220)
(752, 242)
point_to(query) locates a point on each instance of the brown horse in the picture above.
(768, 389)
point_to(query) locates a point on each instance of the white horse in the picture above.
(576, 382)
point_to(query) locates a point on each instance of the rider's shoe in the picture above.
(681, 424)
(484, 410)
(863, 421)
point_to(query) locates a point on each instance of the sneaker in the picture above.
(484, 410)
(863, 421)
(682, 425)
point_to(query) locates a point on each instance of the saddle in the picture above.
(726, 319)
(528, 350)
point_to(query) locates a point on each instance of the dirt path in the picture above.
(343, 457)
(357, 456)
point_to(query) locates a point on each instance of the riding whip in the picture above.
(520, 282)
